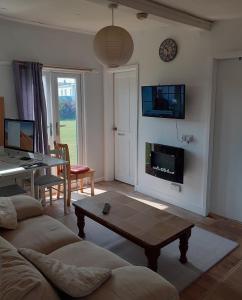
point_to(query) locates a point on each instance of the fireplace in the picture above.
(165, 162)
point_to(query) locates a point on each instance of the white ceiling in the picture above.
(77, 15)
(91, 15)
(208, 9)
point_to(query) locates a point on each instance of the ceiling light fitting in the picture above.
(142, 16)
(113, 45)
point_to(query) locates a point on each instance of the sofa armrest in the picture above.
(135, 283)
(26, 207)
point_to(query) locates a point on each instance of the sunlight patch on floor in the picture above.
(78, 195)
(149, 202)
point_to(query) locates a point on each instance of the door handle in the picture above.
(51, 130)
(57, 128)
(121, 134)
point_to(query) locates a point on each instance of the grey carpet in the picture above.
(205, 250)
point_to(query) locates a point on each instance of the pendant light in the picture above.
(113, 45)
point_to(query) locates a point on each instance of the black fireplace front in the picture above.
(165, 162)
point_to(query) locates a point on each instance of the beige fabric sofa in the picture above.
(49, 236)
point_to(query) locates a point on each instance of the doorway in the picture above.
(226, 185)
(121, 124)
(64, 111)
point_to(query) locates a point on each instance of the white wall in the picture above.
(227, 38)
(192, 67)
(48, 46)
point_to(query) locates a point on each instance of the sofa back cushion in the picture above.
(26, 207)
(20, 279)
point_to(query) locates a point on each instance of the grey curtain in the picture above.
(31, 99)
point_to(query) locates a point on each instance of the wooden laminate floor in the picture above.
(224, 227)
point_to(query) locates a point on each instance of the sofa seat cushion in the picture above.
(20, 280)
(43, 234)
(135, 283)
(79, 169)
(87, 254)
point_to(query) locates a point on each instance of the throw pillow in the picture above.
(26, 207)
(8, 215)
(74, 281)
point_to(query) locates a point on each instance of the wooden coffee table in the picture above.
(149, 227)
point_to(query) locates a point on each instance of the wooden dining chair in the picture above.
(49, 181)
(75, 172)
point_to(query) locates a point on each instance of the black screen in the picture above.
(164, 101)
(163, 162)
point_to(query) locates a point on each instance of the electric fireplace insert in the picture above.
(165, 162)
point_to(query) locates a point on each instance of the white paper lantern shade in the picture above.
(113, 46)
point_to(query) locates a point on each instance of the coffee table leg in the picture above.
(184, 246)
(80, 223)
(152, 255)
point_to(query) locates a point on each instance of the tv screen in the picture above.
(19, 135)
(164, 101)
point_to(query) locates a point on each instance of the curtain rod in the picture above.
(63, 68)
(68, 68)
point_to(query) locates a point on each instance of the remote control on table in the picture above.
(106, 208)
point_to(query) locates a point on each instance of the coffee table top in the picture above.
(137, 221)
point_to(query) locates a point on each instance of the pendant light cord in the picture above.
(113, 6)
(112, 16)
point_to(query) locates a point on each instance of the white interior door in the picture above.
(226, 186)
(125, 124)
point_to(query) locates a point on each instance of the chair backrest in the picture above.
(62, 152)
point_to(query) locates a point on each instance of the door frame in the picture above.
(109, 141)
(81, 106)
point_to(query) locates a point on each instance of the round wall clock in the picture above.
(168, 50)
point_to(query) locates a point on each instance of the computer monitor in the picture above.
(19, 135)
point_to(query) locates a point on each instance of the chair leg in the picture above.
(58, 192)
(37, 193)
(42, 191)
(81, 185)
(92, 185)
(68, 192)
(50, 195)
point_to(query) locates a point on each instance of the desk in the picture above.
(11, 166)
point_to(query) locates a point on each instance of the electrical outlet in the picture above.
(176, 187)
(187, 138)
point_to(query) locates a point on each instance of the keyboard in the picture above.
(34, 165)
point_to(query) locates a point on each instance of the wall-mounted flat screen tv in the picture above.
(164, 101)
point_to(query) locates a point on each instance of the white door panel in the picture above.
(125, 103)
(122, 158)
(226, 187)
(64, 111)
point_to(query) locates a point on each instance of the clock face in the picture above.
(168, 50)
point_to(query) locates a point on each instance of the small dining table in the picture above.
(12, 166)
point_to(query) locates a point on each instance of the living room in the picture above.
(207, 63)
